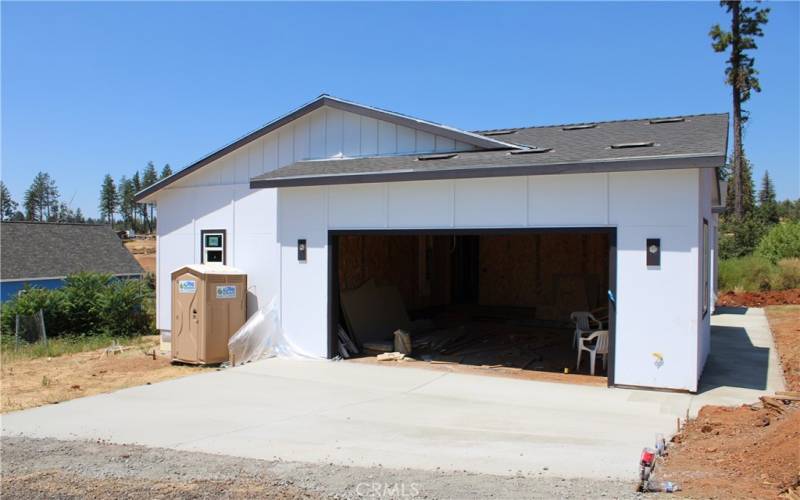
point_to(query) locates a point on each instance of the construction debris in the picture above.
(402, 341)
(374, 312)
(391, 356)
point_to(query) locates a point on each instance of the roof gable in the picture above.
(54, 250)
(459, 136)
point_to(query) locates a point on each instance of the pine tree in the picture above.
(149, 177)
(7, 206)
(748, 194)
(166, 171)
(79, 216)
(746, 24)
(52, 200)
(37, 198)
(108, 199)
(767, 202)
(127, 206)
(136, 180)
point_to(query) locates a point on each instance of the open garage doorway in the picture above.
(496, 300)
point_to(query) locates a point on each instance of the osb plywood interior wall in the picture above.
(419, 266)
(555, 273)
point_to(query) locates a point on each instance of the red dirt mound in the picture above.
(759, 299)
(744, 452)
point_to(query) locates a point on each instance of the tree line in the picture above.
(42, 201)
(118, 199)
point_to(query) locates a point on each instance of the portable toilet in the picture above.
(208, 306)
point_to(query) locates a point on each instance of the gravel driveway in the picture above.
(49, 468)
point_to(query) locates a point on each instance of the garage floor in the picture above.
(357, 414)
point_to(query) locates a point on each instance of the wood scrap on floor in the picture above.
(391, 356)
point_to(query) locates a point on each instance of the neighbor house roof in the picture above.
(695, 141)
(478, 140)
(54, 250)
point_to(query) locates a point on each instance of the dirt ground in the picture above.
(48, 468)
(784, 321)
(747, 452)
(759, 299)
(144, 251)
(34, 382)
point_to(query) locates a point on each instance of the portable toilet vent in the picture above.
(208, 306)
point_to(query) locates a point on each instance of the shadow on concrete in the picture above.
(731, 310)
(734, 361)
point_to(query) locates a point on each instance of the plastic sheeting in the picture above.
(261, 337)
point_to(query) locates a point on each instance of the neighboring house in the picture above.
(548, 218)
(42, 254)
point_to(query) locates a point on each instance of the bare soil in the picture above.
(144, 251)
(35, 382)
(745, 452)
(784, 321)
(759, 299)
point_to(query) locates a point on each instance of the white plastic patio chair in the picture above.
(600, 346)
(583, 324)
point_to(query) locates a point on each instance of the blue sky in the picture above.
(96, 88)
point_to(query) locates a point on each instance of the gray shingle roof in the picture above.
(51, 250)
(678, 142)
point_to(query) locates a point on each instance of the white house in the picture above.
(619, 214)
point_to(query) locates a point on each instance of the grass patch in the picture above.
(60, 346)
(754, 273)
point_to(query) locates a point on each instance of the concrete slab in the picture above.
(354, 414)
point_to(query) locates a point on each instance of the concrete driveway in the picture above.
(354, 414)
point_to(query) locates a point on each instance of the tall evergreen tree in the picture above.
(748, 194)
(127, 207)
(41, 198)
(136, 181)
(767, 202)
(746, 24)
(79, 216)
(149, 177)
(7, 206)
(108, 199)
(166, 171)
(52, 199)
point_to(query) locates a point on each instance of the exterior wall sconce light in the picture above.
(653, 252)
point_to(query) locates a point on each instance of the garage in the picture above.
(496, 299)
(479, 244)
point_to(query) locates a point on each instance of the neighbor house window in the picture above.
(706, 268)
(212, 249)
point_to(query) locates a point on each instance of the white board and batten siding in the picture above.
(218, 196)
(656, 307)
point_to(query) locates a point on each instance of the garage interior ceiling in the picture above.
(473, 299)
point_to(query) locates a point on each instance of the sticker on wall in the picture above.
(226, 291)
(659, 362)
(187, 286)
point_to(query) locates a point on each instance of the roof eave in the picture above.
(595, 166)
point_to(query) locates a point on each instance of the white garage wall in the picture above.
(656, 308)
(707, 188)
(218, 196)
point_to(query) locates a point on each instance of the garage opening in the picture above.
(494, 300)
